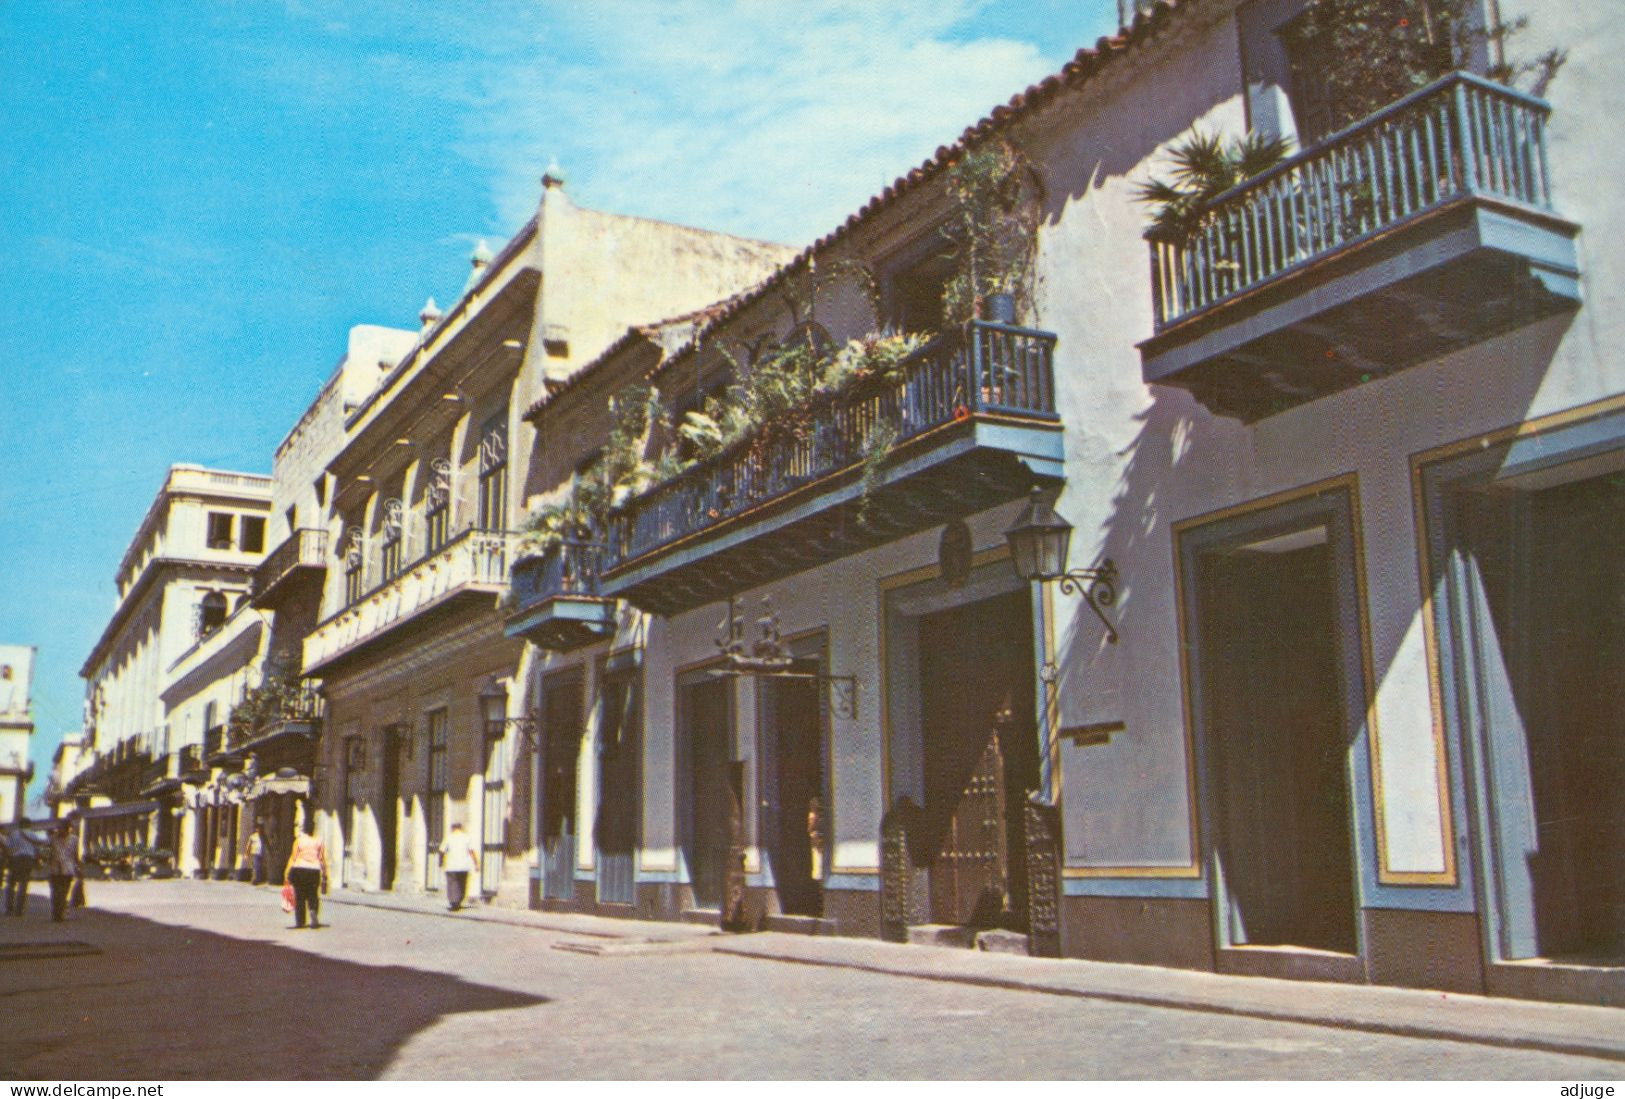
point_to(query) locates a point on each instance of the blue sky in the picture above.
(199, 200)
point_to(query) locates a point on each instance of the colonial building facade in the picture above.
(1324, 694)
(1240, 595)
(425, 492)
(181, 635)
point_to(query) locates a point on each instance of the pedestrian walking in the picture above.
(254, 850)
(307, 872)
(22, 851)
(61, 868)
(458, 856)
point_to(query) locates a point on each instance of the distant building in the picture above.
(182, 595)
(16, 728)
(65, 763)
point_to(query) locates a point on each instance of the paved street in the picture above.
(201, 980)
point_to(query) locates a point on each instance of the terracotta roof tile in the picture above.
(1083, 65)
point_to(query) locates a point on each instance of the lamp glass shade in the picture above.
(1039, 540)
(493, 702)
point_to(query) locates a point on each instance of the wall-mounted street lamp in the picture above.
(1039, 540)
(493, 698)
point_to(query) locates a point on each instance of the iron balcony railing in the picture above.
(155, 772)
(1461, 136)
(985, 368)
(285, 703)
(567, 569)
(305, 547)
(474, 560)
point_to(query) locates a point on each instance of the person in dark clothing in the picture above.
(22, 851)
(307, 872)
(61, 868)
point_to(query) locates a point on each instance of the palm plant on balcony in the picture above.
(1203, 167)
(1358, 56)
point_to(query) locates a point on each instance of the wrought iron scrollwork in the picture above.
(1098, 588)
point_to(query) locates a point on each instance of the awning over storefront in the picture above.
(298, 785)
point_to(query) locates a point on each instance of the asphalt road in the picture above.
(207, 980)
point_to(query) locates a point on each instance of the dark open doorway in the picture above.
(707, 717)
(795, 802)
(619, 786)
(1551, 646)
(562, 718)
(981, 759)
(1277, 741)
(389, 807)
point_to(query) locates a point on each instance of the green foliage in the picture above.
(1360, 55)
(273, 700)
(785, 389)
(993, 230)
(1203, 167)
(620, 473)
(1367, 53)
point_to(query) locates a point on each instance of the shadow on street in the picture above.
(167, 1002)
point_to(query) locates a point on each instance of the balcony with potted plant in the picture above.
(1420, 226)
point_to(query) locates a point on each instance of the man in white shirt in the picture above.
(459, 857)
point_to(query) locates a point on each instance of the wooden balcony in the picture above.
(975, 425)
(556, 602)
(1422, 229)
(300, 560)
(471, 569)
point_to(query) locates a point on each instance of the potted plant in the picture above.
(993, 231)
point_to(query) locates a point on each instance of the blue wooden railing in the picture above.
(1459, 136)
(567, 569)
(983, 369)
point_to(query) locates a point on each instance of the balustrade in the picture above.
(985, 369)
(1460, 136)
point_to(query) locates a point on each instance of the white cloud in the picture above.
(774, 120)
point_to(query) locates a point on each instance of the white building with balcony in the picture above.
(182, 588)
(1337, 696)
(418, 508)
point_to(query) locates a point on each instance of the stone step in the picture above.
(709, 916)
(799, 925)
(1003, 942)
(942, 934)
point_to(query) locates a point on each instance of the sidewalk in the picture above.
(594, 927)
(1516, 1024)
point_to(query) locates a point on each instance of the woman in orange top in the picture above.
(307, 871)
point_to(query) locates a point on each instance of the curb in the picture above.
(617, 944)
(1578, 1047)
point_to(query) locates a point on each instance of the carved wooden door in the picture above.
(970, 876)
